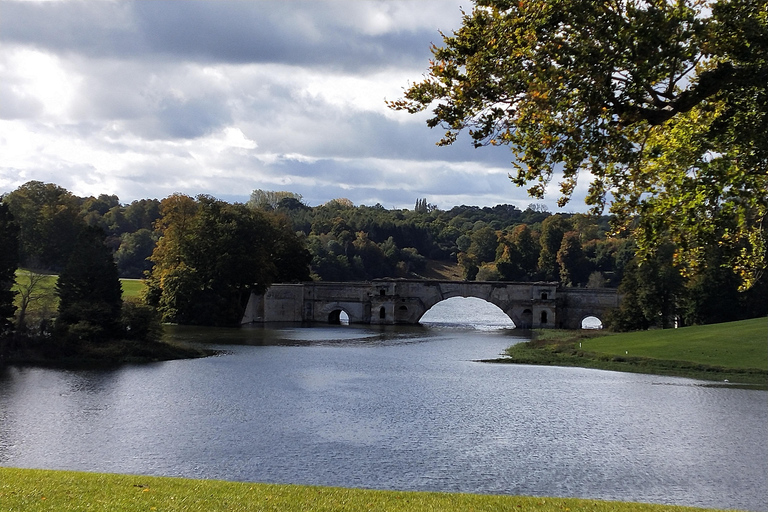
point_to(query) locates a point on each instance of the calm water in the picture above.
(395, 408)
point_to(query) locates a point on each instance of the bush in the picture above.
(140, 321)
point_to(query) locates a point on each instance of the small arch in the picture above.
(338, 317)
(382, 292)
(591, 322)
(544, 295)
(526, 319)
(382, 313)
(543, 318)
(403, 308)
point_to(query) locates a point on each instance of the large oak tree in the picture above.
(212, 255)
(663, 103)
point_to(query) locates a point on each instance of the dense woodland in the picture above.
(201, 257)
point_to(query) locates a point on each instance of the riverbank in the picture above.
(45, 351)
(43, 490)
(110, 353)
(733, 352)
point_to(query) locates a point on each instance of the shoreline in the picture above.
(107, 354)
(564, 348)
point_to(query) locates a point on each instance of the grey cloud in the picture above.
(296, 33)
(91, 28)
(193, 118)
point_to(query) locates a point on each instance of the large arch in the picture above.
(527, 305)
(477, 312)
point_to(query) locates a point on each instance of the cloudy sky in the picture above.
(143, 99)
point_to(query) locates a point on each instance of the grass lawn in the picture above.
(132, 288)
(62, 491)
(741, 344)
(45, 287)
(733, 351)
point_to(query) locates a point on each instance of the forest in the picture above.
(201, 257)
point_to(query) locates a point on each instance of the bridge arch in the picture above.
(468, 311)
(527, 305)
(591, 322)
(338, 313)
(338, 317)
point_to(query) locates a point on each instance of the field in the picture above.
(736, 352)
(43, 288)
(732, 344)
(132, 288)
(62, 491)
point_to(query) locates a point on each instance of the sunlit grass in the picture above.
(132, 288)
(41, 490)
(741, 344)
(45, 288)
(732, 351)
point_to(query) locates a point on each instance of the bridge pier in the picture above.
(392, 302)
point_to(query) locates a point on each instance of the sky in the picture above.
(145, 99)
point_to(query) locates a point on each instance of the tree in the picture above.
(527, 249)
(663, 103)
(650, 290)
(132, 257)
(89, 290)
(372, 258)
(36, 295)
(142, 213)
(422, 206)
(212, 254)
(49, 220)
(290, 254)
(483, 245)
(9, 262)
(552, 230)
(468, 265)
(269, 200)
(574, 266)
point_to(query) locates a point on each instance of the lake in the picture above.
(404, 408)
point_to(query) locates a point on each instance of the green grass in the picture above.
(47, 281)
(64, 491)
(132, 288)
(732, 344)
(733, 351)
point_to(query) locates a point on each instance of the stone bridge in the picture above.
(403, 301)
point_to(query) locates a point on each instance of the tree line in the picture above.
(202, 257)
(205, 258)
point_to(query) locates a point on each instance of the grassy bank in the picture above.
(733, 351)
(37, 490)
